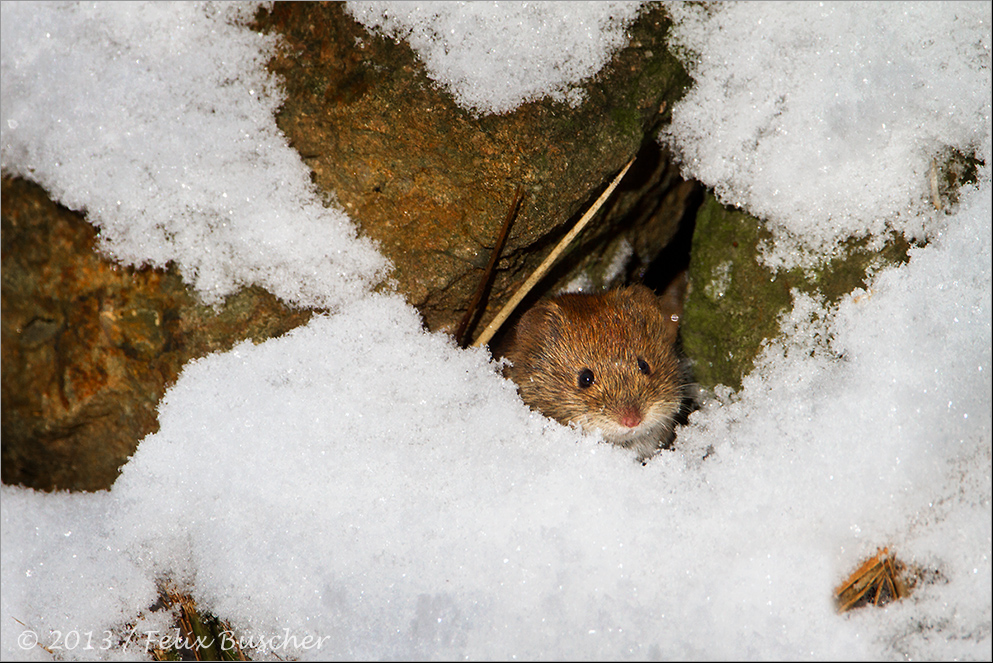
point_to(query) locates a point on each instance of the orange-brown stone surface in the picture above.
(89, 347)
(432, 182)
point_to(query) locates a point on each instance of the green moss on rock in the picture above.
(735, 302)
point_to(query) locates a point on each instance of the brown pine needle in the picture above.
(877, 582)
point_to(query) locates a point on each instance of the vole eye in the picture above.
(644, 367)
(585, 380)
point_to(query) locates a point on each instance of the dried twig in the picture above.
(543, 268)
(460, 333)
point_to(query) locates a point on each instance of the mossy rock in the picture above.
(735, 302)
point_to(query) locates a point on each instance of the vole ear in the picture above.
(669, 303)
(642, 294)
(674, 296)
(535, 328)
(539, 321)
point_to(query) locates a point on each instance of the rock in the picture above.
(734, 302)
(432, 183)
(89, 347)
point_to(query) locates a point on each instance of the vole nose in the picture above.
(629, 416)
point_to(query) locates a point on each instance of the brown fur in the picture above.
(559, 338)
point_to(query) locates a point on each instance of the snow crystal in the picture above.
(824, 118)
(157, 121)
(66, 587)
(494, 56)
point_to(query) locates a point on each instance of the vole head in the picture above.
(606, 362)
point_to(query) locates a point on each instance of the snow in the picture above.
(827, 116)
(62, 572)
(494, 56)
(364, 482)
(157, 121)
